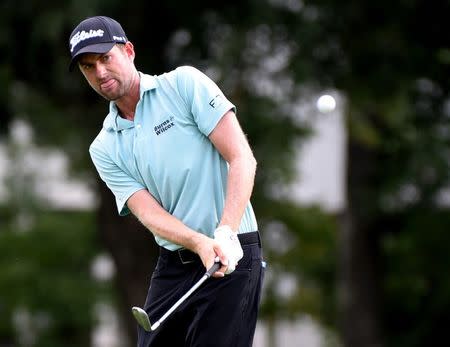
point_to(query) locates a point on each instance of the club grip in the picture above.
(214, 268)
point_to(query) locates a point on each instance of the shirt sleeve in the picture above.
(118, 181)
(204, 99)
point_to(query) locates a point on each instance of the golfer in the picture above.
(173, 153)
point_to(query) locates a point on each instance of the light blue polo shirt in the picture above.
(166, 150)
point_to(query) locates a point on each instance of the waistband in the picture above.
(185, 256)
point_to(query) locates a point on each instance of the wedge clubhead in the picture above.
(142, 318)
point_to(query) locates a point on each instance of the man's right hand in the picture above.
(208, 250)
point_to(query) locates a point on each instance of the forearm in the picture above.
(240, 182)
(232, 144)
(150, 213)
(161, 223)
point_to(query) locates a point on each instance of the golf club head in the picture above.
(142, 318)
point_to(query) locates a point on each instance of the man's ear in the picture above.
(129, 50)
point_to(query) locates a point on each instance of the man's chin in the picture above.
(109, 97)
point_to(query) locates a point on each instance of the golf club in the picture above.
(142, 317)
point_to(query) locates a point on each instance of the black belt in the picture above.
(186, 256)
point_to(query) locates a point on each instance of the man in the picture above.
(173, 153)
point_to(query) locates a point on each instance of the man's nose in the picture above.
(100, 71)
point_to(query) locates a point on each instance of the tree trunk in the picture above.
(359, 271)
(134, 252)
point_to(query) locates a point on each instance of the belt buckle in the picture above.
(181, 257)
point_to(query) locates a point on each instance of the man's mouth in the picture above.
(107, 84)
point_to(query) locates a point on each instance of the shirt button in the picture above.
(138, 126)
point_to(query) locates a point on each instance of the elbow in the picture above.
(245, 163)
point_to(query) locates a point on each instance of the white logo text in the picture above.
(83, 35)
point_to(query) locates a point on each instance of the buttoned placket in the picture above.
(137, 134)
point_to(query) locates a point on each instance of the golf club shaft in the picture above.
(207, 275)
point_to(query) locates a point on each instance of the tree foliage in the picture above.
(47, 292)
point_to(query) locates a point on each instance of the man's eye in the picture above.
(106, 58)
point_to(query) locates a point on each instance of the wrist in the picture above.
(232, 226)
(224, 228)
(197, 241)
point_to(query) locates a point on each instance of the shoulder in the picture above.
(182, 74)
(183, 71)
(188, 72)
(191, 78)
(181, 78)
(98, 144)
(174, 77)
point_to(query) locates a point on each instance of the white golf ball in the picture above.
(326, 103)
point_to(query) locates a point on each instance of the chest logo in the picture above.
(164, 126)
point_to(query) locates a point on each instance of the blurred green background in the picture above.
(370, 270)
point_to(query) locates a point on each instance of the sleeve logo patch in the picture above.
(216, 101)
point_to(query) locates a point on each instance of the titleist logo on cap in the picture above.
(96, 35)
(83, 35)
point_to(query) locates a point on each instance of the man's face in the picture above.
(110, 74)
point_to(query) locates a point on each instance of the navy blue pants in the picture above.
(221, 313)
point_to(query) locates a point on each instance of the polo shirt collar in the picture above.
(147, 83)
(113, 121)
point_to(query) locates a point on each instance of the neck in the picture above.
(127, 104)
(127, 115)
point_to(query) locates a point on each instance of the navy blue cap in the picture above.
(95, 35)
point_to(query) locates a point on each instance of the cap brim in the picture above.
(98, 48)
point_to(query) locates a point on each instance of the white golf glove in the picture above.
(230, 245)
